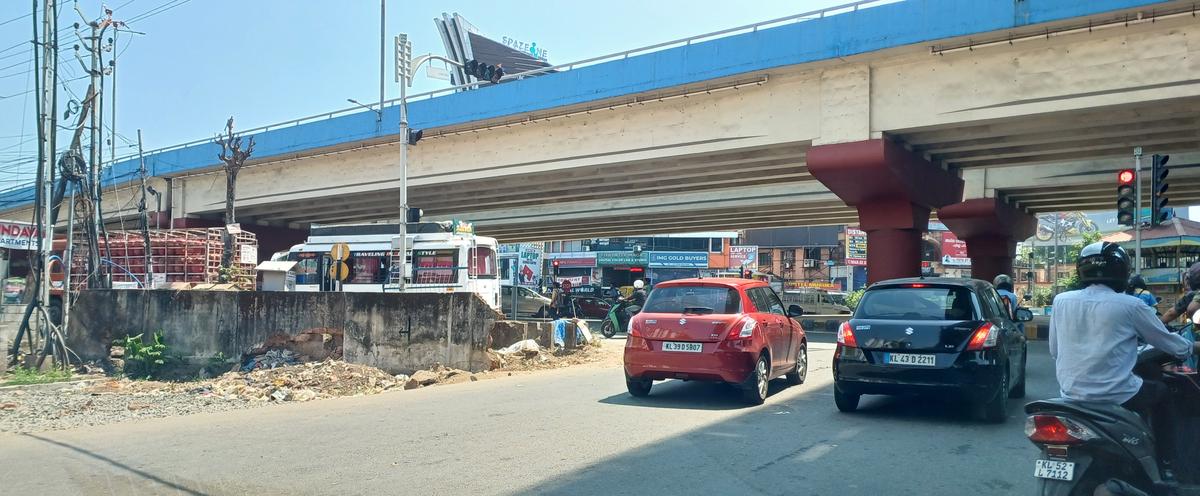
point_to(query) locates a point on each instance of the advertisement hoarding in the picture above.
(529, 265)
(856, 246)
(954, 250)
(743, 256)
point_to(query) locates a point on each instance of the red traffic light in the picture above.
(1125, 177)
(554, 263)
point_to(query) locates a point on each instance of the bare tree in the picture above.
(233, 157)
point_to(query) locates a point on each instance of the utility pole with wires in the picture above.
(98, 273)
(145, 220)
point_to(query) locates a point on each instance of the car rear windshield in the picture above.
(693, 299)
(917, 303)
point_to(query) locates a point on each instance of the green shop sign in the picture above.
(612, 258)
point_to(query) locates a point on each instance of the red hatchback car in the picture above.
(721, 330)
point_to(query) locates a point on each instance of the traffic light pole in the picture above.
(1137, 211)
(406, 67)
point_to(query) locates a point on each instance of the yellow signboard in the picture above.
(339, 251)
(339, 271)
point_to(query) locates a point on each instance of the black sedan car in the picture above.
(932, 335)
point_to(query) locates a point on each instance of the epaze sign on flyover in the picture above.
(17, 235)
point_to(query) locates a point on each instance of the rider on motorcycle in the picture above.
(1094, 334)
(637, 299)
(1186, 305)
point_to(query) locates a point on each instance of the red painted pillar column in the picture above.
(893, 190)
(991, 229)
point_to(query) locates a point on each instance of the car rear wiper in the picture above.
(697, 310)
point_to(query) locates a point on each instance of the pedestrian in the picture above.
(556, 300)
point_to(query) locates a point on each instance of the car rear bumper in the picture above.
(713, 364)
(973, 375)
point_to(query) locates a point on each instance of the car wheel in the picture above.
(996, 410)
(754, 390)
(797, 376)
(607, 329)
(638, 388)
(1018, 390)
(846, 402)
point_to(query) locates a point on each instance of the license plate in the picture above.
(687, 347)
(1049, 469)
(910, 359)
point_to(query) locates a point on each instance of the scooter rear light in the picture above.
(1052, 429)
(985, 336)
(846, 336)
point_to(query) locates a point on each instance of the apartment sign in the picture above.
(17, 235)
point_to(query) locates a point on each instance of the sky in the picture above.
(266, 61)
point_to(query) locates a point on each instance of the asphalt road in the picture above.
(570, 431)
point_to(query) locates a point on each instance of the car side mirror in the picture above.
(1023, 315)
(1028, 297)
(794, 311)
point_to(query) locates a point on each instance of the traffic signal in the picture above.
(1126, 198)
(414, 215)
(1158, 190)
(484, 71)
(414, 135)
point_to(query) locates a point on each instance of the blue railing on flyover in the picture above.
(816, 14)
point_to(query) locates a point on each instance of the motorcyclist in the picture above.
(1186, 305)
(1094, 334)
(1137, 287)
(636, 299)
(1004, 287)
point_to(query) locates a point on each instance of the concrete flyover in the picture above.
(1035, 104)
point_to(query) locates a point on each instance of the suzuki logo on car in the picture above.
(909, 331)
(682, 321)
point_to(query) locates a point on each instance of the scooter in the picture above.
(616, 320)
(1099, 448)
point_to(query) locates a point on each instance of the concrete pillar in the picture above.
(991, 229)
(893, 190)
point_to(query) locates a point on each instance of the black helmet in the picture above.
(1104, 263)
(1003, 281)
(1136, 282)
(1192, 277)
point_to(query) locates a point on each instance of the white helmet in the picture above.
(638, 284)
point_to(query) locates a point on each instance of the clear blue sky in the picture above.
(266, 61)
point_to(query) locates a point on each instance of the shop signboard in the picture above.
(954, 250)
(622, 258)
(682, 259)
(743, 256)
(574, 258)
(856, 246)
(17, 235)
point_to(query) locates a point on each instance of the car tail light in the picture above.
(1051, 429)
(631, 329)
(747, 329)
(985, 337)
(846, 336)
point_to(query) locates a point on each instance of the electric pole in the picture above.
(149, 277)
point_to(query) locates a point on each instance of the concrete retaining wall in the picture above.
(396, 332)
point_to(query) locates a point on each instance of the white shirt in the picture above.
(1094, 337)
